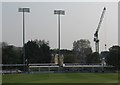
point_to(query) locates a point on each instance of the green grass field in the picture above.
(61, 78)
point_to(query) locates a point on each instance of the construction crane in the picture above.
(96, 40)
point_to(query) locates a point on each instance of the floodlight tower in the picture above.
(23, 10)
(59, 12)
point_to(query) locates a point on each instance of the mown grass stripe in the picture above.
(61, 78)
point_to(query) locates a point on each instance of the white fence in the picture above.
(50, 67)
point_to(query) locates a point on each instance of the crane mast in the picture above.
(96, 40)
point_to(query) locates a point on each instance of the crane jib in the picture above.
(96, 40)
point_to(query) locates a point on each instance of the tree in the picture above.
(4, 44)
(69, 56)
(37, 51)
(93, 58)
(32, 52)
(11, 54)
(114, 57)
(81, 48)
(45, 51)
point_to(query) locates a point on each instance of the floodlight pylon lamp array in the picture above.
(62, 12)
(24, 10)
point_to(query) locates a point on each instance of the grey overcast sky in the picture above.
(79, 22)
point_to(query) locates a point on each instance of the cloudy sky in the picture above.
(79, 22)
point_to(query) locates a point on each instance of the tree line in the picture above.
(38, 51)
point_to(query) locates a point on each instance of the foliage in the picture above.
(93, 58)
(11, 55)
(81, 48)
(114, 57)
(37, 51)
(69, 56)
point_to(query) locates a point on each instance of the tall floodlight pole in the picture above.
(59, 12)
(23, 10)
